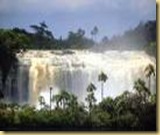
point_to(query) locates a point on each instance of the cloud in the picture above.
(44, 5)
(55, 4)
(73, 5)
(4, 5)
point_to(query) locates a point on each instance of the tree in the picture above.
(43, 31)
(41, 101)
(141, 89)
(107, 105)
(81, 32)
(122, 103)
(94, 32)
(43, 25)
(77, 40)
(62, 99)
(90, 97)
(11, 43)
(65, 98)
(105, 40)
(50, 94)
(102, 78)
(73, 107)
(73, 103)
(149, 70)
(42, 37)
(57, 99)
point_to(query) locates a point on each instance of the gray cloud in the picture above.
(73, 5)
(43, 5)
(112, 16)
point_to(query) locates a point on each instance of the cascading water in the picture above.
(74, 70)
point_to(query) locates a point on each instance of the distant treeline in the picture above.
(43, 38)
(141, 37)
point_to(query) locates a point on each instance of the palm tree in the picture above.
(73, 101)
(50, 93)
(65, 98)
(61, 99)
(149, 70)
(91, 87)
(41, 101)
(94, 32)
(90, 97)
(102, 77)
(57, 99)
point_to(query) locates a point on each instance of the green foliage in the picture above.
(77, 40)
(142, 90)
(63, 99)
(108, 105)
(11, 43)
(140, 87)
(90, 99)
(153, 99)
(42, 38)
(149, 70)
(41, 101)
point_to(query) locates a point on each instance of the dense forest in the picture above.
(129, 111)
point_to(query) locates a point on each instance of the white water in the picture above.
(74, 71)
(40, 70)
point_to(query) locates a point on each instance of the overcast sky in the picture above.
(111, 16)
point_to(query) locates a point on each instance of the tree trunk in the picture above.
(63, 104)
(101, 91)
(41, 105)
(57, 104)
(50, 98)
(149, 83)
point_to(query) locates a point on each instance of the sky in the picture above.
(112, 17)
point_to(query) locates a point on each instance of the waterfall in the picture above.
(74, 70)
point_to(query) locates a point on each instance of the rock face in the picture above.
(74, 70)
